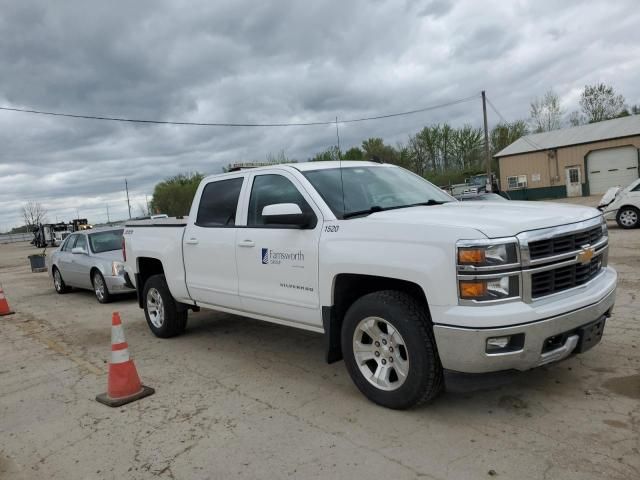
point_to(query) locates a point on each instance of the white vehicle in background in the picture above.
(401, 279)
(623, 205)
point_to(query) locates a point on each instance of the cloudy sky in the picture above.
(275, 61)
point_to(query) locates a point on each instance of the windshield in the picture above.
(106, 241)
(369, 188)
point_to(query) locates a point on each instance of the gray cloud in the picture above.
(272, 61)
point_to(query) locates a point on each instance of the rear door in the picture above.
(278, 264)
(79, 264)
(209, 244)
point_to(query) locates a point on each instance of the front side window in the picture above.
(68, 245)
(269, 190)
(106, 241)
(350, 190)
(219, 202)
(81, 242)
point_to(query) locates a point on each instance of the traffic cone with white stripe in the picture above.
(124, 385)
(4, 305)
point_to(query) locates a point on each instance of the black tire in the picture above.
(424, 379)
(174, 320)
(100, 288)
(59, 286)
(625, 217)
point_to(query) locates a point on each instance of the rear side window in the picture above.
(218, 203)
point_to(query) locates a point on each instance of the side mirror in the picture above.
(285, 214)
(78, 250)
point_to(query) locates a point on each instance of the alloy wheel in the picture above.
(380, 353)
(628, 218)
(155, 307)
(98, 285)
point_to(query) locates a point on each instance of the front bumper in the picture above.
(463, 349)
(117, 284)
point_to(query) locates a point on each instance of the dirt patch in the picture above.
(628, 386)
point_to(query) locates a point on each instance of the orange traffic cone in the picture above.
(124, 384)
(4, 305)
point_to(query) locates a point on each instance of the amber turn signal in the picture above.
(471, 255)
(473, 289)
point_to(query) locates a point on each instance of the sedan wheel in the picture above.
(58, 282)
(628, 217)
(155, 308)
(100, 288)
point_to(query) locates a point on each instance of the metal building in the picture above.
(584, 160)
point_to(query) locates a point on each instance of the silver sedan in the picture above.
(92, 260)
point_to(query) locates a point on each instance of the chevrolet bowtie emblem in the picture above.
(586, 254)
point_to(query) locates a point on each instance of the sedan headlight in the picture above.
(117, 268)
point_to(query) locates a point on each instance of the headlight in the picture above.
(605, 229)
(493, 288)
(117, 268)
(490, 255)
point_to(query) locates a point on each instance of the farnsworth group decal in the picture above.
(275, 257)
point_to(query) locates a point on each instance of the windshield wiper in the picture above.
(377, 208)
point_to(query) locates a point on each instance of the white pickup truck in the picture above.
(401, 279)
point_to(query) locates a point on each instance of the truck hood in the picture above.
(494, 219)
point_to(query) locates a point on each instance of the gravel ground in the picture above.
(240, 398)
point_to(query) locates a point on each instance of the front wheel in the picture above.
(161, 310)
(58, 282)
(389, 350)
(628, 217)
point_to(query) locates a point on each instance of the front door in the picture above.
(278, 264)
(574, 182)
(209, 245)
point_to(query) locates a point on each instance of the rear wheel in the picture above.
(389, 350)
(58, 282)
(100, 288)
(628, 217)
(163, 316)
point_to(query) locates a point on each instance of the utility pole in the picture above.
(126, 187)
(486, 141)
(146, 198)
(108, 219)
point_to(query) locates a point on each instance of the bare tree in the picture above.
(600, 102)
(34, 214)
(546, 113)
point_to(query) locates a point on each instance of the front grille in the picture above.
(564, 278)
(564, 244)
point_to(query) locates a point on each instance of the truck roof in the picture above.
(308, 166)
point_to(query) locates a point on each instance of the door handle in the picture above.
(191, 241)
(247, 243)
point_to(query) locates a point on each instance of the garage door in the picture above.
(611, 167)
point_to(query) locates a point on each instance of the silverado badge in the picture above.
(586, 254)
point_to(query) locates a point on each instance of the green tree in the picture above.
(354, 153)
(331, 153)
(545, 113)
(375, 149)
(504, 134)
(600, 102)
(174, 195)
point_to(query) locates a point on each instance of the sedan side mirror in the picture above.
(78, 250)
(286, 214)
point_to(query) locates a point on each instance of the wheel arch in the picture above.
(347, 288)
(147, 267)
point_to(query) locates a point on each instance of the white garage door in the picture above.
(611, 167)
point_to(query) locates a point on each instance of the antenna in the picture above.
(344, 208)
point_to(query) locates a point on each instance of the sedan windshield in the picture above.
(369, 189)
(106, 241)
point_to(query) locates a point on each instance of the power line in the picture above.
(524, 137)
(228, 124)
